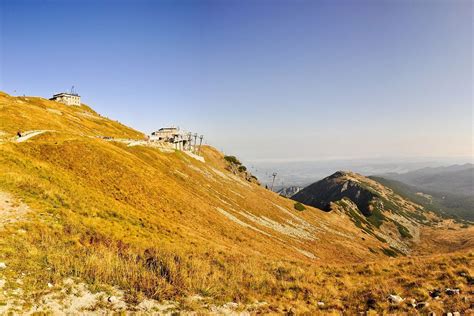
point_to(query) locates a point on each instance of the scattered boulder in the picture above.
(395, 299)
(452, 291)
(321, 304)
(3, 265)
(50, 285)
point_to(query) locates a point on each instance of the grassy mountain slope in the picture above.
(158, 224)
(33, 113)
(375, 209)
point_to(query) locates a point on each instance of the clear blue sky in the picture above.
(286, 80)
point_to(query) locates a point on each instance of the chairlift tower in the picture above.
(190, 138)
(195, 142)
(200, 143)
(273, 181)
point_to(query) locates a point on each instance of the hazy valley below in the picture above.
(303, 173)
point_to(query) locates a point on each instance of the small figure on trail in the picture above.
(18, 134)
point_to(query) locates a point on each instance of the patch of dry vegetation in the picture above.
(147, 222)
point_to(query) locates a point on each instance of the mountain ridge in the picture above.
(448, 190)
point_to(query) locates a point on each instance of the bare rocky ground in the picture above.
(75, 298)
(11, 210)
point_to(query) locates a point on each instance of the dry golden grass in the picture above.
(147, 222)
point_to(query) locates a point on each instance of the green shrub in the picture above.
(232, 160)
(299, 207)
(404, 232)
(372, 250)
(242, 168)
(389, 252)
(376, 218)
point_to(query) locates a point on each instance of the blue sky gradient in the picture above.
(279, 80)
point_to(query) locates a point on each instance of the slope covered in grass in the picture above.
(155, 224)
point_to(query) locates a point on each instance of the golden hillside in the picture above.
(158, 224)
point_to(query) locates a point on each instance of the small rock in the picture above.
(17, 291)
(2, 283)
(50, 285)
(321, 304)
(456, 314)
(449, 314)
(421, 305)
(112, 299)
(412, 302)
(231, 305)
(395, 299)
(3, 265)
(68, 281)
(452, 291)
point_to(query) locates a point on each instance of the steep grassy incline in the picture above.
(154, 224)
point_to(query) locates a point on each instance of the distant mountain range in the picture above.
(456, 179)
(446, 190)
(289, 191)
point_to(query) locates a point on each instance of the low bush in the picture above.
(299, 207)
(232, 160)
(242, 168)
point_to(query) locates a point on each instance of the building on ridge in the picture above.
(68, 98)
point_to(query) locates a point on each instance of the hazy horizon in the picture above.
(302, 173)
(279, 81)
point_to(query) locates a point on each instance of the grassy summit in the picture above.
(161, 225)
